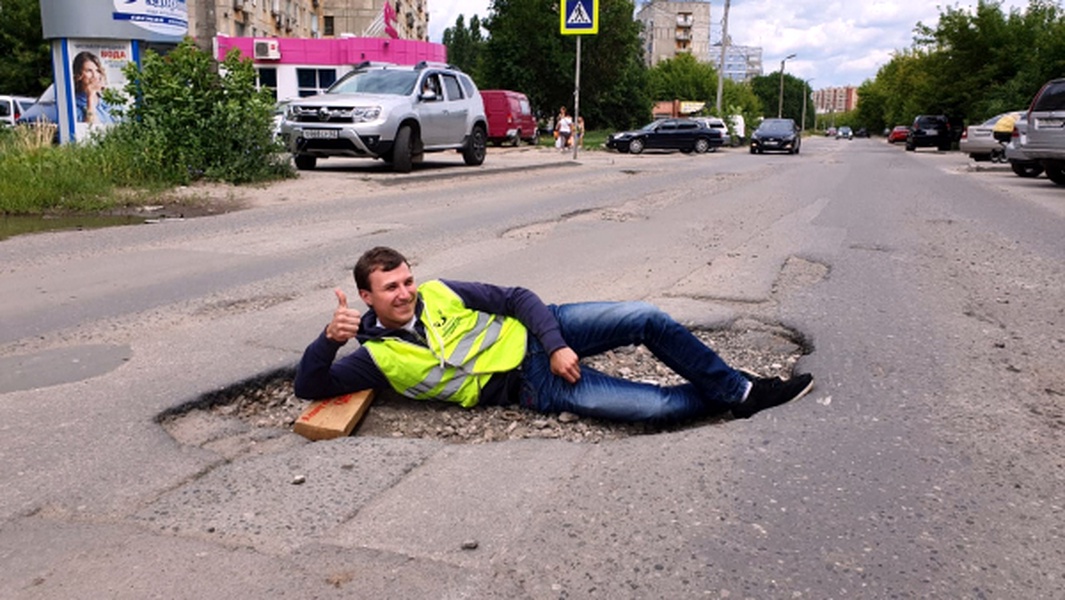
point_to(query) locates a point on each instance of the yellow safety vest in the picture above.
(465, 347)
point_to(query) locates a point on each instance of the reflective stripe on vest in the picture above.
(463, 349)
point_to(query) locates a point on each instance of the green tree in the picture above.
(465, 45)
(26, 67)
(767, 89)
(683, 78)
(526, 52)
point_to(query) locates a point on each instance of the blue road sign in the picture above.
(580, 17)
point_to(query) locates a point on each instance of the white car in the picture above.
(12, 107)
(396, 113)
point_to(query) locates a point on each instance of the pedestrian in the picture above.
(1002, 130)
(578, 133)
(564, 128)
(477, 343)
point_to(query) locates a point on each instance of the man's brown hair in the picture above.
(380, 258)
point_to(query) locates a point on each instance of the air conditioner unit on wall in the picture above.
(267, 49)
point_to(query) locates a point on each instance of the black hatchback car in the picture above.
(777, 135)
(686, 135)
(928, 131)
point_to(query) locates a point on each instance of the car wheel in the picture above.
(535, 141)
(753, 151)
(517, 139)
(403, 150)
(702, 145)
(1026, 169)
(636, 146)
(911, 148)
(306, 162)
(1056, 174)
(474, 151)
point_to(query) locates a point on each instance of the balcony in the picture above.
(683, 35)
(685, 21)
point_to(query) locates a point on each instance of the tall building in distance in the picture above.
(408, 19)
(742, 63)
(365, 18)
(253, 18)
(672, 27)
(835, 99)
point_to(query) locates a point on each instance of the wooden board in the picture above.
(333, 417)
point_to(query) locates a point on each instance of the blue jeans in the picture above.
(594, 327)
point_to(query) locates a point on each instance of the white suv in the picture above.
(392, 112)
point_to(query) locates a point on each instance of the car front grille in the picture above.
(322, 114)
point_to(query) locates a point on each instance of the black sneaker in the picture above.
(767, 392)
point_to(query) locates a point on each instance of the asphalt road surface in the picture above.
(926, 463)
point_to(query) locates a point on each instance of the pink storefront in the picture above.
(298, 67)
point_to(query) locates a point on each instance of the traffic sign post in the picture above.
(579, 17)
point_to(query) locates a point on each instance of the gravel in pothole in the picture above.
(762, 349)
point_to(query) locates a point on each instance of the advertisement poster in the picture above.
(95, 66)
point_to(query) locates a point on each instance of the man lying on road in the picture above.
(470, 343)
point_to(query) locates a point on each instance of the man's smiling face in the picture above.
(392, 296)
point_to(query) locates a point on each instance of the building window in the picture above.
(314, 81)
(327, 28)
(267, 77)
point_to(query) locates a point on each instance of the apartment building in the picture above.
(742, 63)
(253, 18)
(836, 99)
(365, 18)
(672, 27)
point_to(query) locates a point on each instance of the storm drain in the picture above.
(258, 414)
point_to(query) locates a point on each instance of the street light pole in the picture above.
(805, 94)
(721, 67)
(780, 102)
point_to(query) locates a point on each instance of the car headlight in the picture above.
(362, 114)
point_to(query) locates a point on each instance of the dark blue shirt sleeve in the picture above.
(518, 302)
(319, 375)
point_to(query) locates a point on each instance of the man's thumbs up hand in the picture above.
(345, 323)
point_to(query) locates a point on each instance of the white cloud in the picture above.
(836, 42)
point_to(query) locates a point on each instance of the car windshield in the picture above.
(776, 127)
(650, 126)
(377, 81)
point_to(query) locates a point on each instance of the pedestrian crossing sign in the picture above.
(580, 17)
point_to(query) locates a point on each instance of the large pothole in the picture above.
(258, 412)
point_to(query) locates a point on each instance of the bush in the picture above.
(195, 119)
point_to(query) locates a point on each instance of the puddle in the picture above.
(12, 225)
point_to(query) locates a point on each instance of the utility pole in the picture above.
(721, 67)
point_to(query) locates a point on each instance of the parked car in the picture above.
(928, 131)
(861, 133)
(715, 123)
(844, 133)
(980, 144)
(1017, 151)
(898, 134)
(396, 113)
(778, 135)
(1046, 129)
(686, 135)
(830, 132)
(510, 117)
(12, 108)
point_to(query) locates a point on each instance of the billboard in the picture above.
(90, 68)
(149, 20)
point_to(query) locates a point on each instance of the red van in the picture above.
(510, 117)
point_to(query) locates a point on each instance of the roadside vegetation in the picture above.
(195, 120)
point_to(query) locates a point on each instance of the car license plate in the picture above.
(1051, 123)
(319, 134)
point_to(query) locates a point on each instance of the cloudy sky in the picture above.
(836, 42)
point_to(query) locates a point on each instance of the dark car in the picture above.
(776, 135)
(686, 135)
(929, 131)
